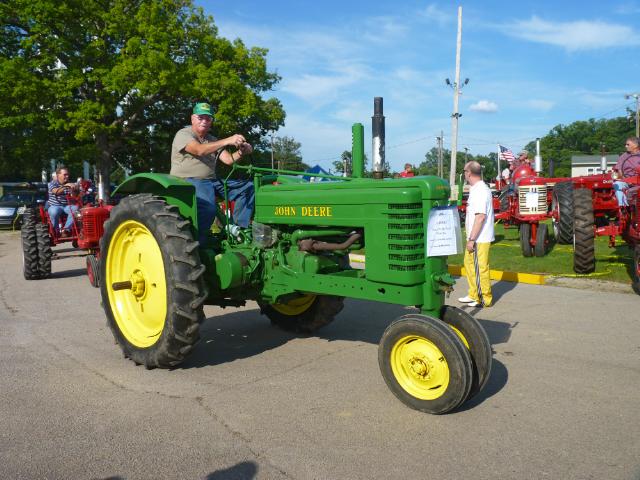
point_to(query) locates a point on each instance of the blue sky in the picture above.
(531, 65)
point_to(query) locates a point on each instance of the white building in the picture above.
(590, 164)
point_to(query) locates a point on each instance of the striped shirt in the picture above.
(58, 200)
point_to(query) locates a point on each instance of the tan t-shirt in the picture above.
(185, 165)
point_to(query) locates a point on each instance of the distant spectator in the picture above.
(626, 166)
(408, 171)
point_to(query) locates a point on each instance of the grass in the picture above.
(612, 264)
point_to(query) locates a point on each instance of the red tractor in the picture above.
(586, 207)
(525, 203)
(39, 235)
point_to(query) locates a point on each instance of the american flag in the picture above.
(506, 154)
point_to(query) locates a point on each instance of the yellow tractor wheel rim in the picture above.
(420, 367)
(297, 306)
(461, 336)
(139, 310)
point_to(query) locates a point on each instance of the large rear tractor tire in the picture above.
(475, 338)
(584, 254)
(525, 239)
(562, 208)
(151, 281)
(542, 240)
(29, 245)
(425, 364)
(44, 250)
(636, 270)
(304, 314)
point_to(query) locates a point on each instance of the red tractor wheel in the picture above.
(93, 270)
(542, 240)
(636, 269)
(525, 239)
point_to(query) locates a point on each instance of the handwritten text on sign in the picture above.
(443, 232)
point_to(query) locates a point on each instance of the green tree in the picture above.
(105, 80)
(286, 153)
(345, 160)
(581, 138)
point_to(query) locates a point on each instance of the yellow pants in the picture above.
(482, 250)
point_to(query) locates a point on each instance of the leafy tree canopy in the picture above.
(100, 80)
(581, 138)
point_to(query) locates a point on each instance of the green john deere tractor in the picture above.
(293, 262)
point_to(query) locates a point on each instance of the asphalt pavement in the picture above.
(252, 401)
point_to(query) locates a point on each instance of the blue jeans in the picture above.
(239, 191)
(56, 210)
(618, 186)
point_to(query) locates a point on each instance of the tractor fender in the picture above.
(174, 190)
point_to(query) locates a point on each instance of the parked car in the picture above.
(13, 204)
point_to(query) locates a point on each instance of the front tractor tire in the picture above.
(475, 338)
(542, 240)
(304, 314)
(525, 239)
(425, 364)
(584, 253)
(562, 208)
(151, 281)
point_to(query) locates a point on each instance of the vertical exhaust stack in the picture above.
(603, 159)
(377, 138)
(538, 158)
(357, 150)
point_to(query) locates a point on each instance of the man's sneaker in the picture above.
(473, 304)
(466, 299)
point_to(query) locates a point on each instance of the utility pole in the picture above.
(455, 115)
(440, 166)
(272, 164)
(637, 97)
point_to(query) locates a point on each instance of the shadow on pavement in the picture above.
(241, 471)
(243, 334)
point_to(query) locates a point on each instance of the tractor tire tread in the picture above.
(186, 292)
(45, 254)
(29, 245)
(563, 198)
(584, 258)
(320, 313)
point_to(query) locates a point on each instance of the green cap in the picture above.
(203, 109)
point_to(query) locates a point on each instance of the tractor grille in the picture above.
(406, 237)
(532, 199)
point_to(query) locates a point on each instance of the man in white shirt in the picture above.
(479, 230)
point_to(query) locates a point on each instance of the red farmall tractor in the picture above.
(524, 204)
(39, 235)
(586, 207)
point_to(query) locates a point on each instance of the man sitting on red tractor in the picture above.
(59, 190)
(627, 166)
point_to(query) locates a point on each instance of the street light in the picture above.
(455, 116)
(637, 97)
